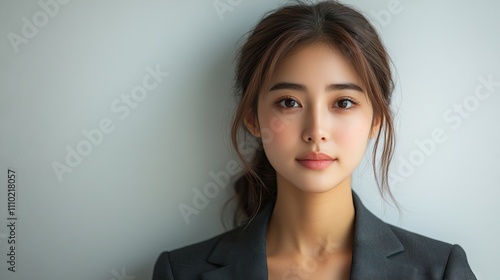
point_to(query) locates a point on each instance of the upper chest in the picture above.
(335, 266)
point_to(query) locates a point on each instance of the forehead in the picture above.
(315, 63)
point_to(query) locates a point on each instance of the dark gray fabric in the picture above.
(381, 251)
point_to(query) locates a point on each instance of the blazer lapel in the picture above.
(242, 254)
(374, 244)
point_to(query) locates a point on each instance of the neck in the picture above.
(303, 222)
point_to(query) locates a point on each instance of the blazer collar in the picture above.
(242, 252)
(374, 244)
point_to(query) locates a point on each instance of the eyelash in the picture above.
(283, 98)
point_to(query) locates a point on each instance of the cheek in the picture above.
(353, 133)
(277, 128)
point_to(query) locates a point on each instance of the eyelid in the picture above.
(350, 99)
(278, 100)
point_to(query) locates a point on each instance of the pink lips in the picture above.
(315, 161)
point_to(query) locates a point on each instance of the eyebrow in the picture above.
(331, 87)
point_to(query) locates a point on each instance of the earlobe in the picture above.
(375, 128)
(251, 125)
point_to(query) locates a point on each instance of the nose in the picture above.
(316, 126)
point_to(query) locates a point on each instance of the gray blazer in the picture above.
(381, 251)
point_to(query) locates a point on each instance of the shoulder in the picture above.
(431, 256)
(188, 262)
(240, 251)
(201, 250)
(417, 245)
(391, 251)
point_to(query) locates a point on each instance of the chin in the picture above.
(316, 183)
(317, 189)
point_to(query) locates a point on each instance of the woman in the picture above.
(315, 87)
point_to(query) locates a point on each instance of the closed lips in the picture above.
(315, 156)
(316, 161)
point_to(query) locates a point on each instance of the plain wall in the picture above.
(67, 69)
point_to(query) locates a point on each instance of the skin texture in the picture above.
(314, 213)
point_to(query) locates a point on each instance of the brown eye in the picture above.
(288, 103)
(345, 103)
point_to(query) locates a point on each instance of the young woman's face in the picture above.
(314, 119)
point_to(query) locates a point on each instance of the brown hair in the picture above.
(289, 28)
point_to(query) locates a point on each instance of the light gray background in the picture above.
(112, 216)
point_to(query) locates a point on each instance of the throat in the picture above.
(311, 225)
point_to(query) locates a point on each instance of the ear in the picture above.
(252, 124)
(375, 128)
